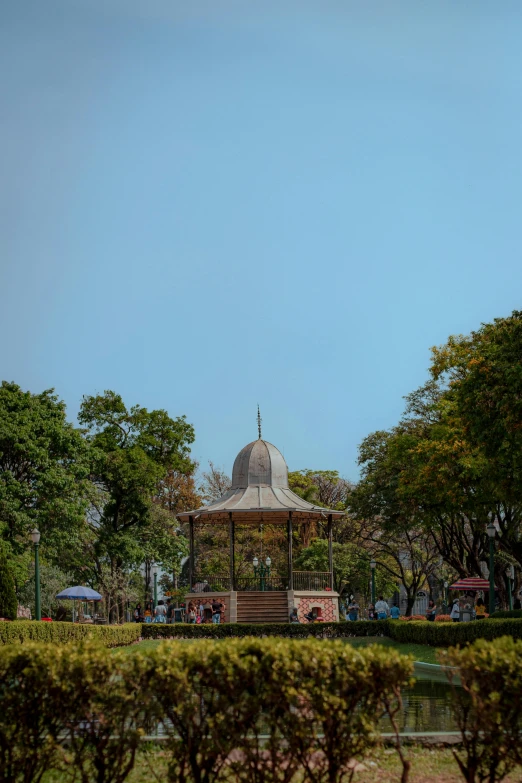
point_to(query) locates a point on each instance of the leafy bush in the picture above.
(413, 617)
(82, 709)
(104, 719)
(8, 602)
(502, 614)
(285, 630)
(22, 631)
(488, 707)
(30, 721)
(443, 618)
(69, 708)
(449, 634)
(315, 705)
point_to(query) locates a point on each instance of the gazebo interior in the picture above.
(260, 500)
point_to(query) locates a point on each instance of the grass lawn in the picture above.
(381, 766)
(420, 652)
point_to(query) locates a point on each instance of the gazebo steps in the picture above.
(262, 607)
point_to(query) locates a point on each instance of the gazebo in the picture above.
(260, 495)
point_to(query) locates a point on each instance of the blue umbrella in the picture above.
(80, 593)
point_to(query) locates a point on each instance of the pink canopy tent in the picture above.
(471, 583)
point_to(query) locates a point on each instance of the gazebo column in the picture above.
(232, 535)
(330, 550)
(290, 565)
(191, 553)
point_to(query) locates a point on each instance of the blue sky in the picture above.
(206, 205)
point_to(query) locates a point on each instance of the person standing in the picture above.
(353, 610)
(395, 612)
(216, 611)
(160, 613)
(382, 609)
(138, 614)
(431, 611)
(372, 614)
(170, 611)
(455, 611)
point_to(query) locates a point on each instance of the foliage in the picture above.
(30, 719)
(98, 692)
(8, 602)
(52, 581)
(351, 566)
(388, 526)
(43, 473)
(342, 630)
(135, 454)
(24, 631)
(443, 618)
(215, 483)
(448, 634)
(69, 708)
(501, 614)
(303, 696)
(488, 706)
(75, 709)
(321, 487)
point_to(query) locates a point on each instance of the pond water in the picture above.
(426, 706)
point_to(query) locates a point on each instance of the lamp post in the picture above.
(446, 585)
(510, 576)
(155, 572)
(373, 566)
(35, 538)
(491, 533)
(262, 571)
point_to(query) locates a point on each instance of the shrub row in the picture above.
(502, 614)
(448, 634)
(21, 631)
(254, 710)
(413, 632)
(341, 630)
(487, 707)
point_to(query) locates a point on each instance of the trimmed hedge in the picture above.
(449, 634)
(256, 710)
(340, 630)
(487, 707)
(22, 631)
(412, 632)
(503, 614)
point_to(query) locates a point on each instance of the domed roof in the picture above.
(261, 464)
(259, 492)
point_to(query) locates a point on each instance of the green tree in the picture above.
(133, 451)
(52, 581)
(351, 565)
(8, 602)
(43, 473)
(483, 372)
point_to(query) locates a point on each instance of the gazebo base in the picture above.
(270, 606)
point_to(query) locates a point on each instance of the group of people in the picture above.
(380, 611)
(213, 612)
(476, 611)
(164, 612)
(161, 613)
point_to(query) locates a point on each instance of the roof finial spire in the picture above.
(259, 421)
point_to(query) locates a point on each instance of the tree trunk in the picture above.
(410, 600)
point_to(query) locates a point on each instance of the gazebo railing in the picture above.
(211, 583)
(263, 584)
(221, 583)
(311, 580)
